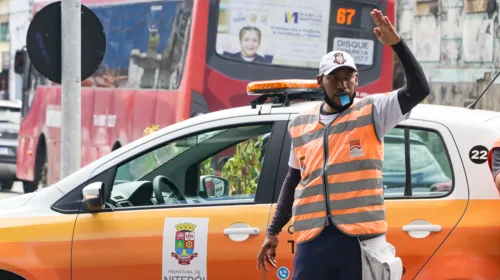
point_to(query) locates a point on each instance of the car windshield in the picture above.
(140, 167)
(10, 115)
(394, 159)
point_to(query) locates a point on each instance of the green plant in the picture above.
(243, 169)
(206, 167)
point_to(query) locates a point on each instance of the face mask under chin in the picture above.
(345, 101)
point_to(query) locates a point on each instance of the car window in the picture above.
(397, 163)
(141, 166)
(212, 167)
(431, 172)
(240, 165)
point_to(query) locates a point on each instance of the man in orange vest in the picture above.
(494, 162)
(333, 190)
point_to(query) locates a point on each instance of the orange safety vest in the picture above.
(496, 145)
(353, 193)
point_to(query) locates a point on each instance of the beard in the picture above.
(345, 101)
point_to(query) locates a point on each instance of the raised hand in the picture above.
(385, 31)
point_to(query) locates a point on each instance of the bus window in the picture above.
(146, 43)
(286, 34)
(274, 39)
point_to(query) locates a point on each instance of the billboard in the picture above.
(281, 32)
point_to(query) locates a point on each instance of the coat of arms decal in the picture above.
(184, 243)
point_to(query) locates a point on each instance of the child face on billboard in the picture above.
(250, 43)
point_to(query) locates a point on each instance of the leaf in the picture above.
(244, 168)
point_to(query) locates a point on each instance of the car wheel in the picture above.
(7, 184)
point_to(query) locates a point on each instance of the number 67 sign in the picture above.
(344, 15)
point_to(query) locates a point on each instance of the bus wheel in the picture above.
(41, 173)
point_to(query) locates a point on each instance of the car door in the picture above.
(424, 209)
(190, 205)
(426, 194)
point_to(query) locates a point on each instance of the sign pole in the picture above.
(71, 86)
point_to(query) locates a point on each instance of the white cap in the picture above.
(334, 60)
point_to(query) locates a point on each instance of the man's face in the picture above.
(341, 80)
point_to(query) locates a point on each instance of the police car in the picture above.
(193, 200)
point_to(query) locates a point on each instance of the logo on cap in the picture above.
(339, 58)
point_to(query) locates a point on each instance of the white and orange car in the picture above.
(193, 200)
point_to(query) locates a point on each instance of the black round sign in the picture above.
(478, 154)
(43, 42)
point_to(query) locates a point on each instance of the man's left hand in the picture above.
(385, 31)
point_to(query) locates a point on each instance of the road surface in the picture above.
(17, 189)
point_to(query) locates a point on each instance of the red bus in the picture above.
(169, 60)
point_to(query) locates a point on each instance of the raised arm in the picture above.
(392, 108)
(417, 87)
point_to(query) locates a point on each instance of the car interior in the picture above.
(174, 172)
(427, 175)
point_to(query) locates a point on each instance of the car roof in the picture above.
(445, 114)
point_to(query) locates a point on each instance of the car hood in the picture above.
(15, 202)
(39, 203)
(31, 204)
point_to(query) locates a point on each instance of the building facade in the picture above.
(457, 43)
(4, 49)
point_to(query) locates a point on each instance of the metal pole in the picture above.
(71, 86)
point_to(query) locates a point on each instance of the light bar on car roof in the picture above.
(281, 86)
(282, 92)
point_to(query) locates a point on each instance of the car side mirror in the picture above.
(93, 197)
(214, 186)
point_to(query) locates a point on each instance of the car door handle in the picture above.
(421, 228)
(431, 228)
(251, 231)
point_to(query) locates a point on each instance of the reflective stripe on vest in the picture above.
(496, 145)
(354, 170)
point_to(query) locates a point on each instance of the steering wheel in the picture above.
(176, 193)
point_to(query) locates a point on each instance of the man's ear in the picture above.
(319, 78)
(356, 77)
